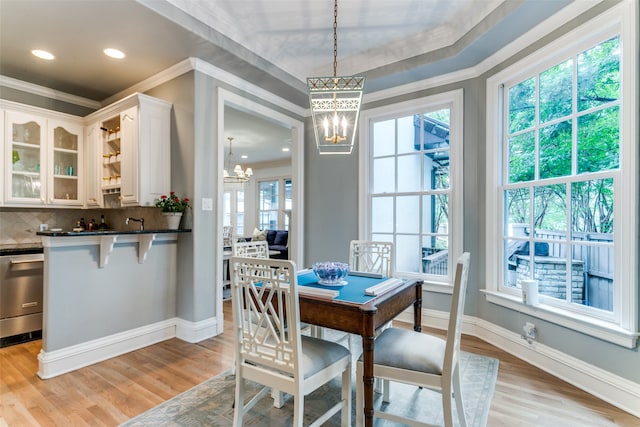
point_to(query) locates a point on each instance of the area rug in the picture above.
(210, 403)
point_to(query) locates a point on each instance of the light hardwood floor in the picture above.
(111, 392)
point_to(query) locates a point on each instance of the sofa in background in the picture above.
(277, 240)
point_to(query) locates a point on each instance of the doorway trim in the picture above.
(296, 222)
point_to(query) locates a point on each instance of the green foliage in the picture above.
(172, 203)
(550, 136)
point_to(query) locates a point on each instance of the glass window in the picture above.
(562, 179)
(410, 167)
(274, 198)
(568, 180)
(233, 211)
(543, 149)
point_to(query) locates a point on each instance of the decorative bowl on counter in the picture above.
(331, 272)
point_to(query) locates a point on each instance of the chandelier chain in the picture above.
(335, 38)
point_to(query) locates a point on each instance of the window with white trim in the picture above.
(233, 211)
(274, 199)
(414, 186)
(562, 173)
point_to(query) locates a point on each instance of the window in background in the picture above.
(226, 209)
(562, 179)
(268, 205)
(239, 213)
(415, 174)
(271, 200)
(233, 211)
(562, 161)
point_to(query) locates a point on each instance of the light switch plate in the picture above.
(207, 204)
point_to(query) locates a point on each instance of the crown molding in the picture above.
(47, 92)
(164, 76)
(235, 81)
(554, 22)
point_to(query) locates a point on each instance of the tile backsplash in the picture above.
(19, 225)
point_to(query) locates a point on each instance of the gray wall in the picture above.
(330, 202)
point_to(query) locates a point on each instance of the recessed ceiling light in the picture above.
(285, 149)
(244, 156)
(114, 53)
(43, 54)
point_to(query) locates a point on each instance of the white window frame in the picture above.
(282, 216)
(233, 211)
(454, 101)
(622, 328)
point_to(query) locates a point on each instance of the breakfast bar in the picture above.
(105, 293)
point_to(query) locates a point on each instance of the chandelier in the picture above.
(335, 105)
(239, 176)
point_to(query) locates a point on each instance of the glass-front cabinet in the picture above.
(26, 157)
(42, 160)
(65, 185)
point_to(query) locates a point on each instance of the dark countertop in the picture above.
(107, 232)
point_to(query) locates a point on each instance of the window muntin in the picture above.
(562, 163)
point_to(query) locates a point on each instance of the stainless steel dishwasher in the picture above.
(21, 294)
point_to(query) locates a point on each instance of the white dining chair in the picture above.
(271, 351)
(371, 257)
(253, 249)
(423, 360)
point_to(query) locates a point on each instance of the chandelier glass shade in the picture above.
(238, 175)
(335, 105)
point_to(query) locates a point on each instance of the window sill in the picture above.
(580, 323)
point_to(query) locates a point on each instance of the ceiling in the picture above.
(274, 44)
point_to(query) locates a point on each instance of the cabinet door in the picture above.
(93, 160)
(129, 141)
(25, 158)
(65, 163)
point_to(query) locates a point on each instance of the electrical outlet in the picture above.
(530, 331)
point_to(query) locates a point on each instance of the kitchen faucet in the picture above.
(140, 220)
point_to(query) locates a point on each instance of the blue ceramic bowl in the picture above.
(331, 273)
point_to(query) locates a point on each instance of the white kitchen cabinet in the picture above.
(131, 156)
(42, 157)
(93, 151)
(64, 165)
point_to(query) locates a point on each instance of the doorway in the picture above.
(260, 132)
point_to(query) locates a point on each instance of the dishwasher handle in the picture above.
(27, 260)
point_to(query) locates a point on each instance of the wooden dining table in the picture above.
(364, 318)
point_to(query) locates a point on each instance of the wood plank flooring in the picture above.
(113, 391)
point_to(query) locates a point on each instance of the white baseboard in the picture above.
(57, 362)
(194, 332)
(609, 387)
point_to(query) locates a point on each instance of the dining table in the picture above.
(356, 308)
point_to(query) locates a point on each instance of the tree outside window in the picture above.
(562, 138)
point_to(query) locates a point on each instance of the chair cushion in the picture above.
(317, 354)
(410, 350)
(271, 236)
(281, 238)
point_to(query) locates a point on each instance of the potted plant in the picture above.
(172, 208)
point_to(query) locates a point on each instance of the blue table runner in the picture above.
(353, 291)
